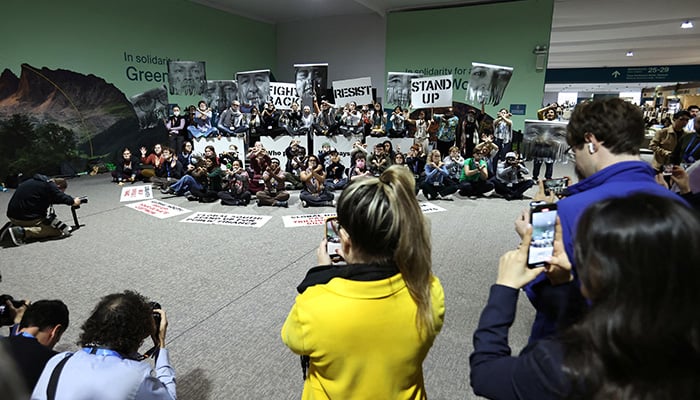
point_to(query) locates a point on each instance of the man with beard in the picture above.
(186, 78)
(605, 137)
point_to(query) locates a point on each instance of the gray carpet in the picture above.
(227, 290)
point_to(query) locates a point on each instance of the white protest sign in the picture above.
(428, 208)
(158, 209)
(276, 146)
(293, 221)
(431, 91)
(221, 145)
(134, 193)
(249, 221)
(358, 90)
(283, 95)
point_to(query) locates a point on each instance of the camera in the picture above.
(83, 200)
(58, 224)
(5, 317)
(156, 316)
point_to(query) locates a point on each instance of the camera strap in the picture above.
(53, 381)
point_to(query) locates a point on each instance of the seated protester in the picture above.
(379, 161)
(378, 121)
(314, 192)
(398, 123)
(108, 365)
(510, 181)
(257, 165)
(296, 160)
(228, 157)
(389, 149)
(234, 184)
(454, 164)
(399, 159)
(366, 119)
(359, 170)
(357, 148)
(638, 339)
(324, 155)
(201, 123)
(271, 121)
(127, 169)
(306, 122)
(325, 119)
(254, 124)
(351, 120)
(185, 156)
(335, 172)
(196, 179)
(273, 193)
(437, 184)
(210, 152)
(232, 121)
(31, 209)
(474, 180)
(177, 134)
(151, 162)
(169, 171)
(489, 152)
(292, 119)
(210, 183)
(41, 327)
(415, 161)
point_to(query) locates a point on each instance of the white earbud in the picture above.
(591, 148)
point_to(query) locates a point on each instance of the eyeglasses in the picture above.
(570, 154)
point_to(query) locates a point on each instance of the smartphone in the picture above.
(543, 217)
(555, 186)
(333, 239)
(667, 170)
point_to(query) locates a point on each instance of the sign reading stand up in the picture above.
(431, 91)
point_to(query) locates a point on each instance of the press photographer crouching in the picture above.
(108, 366)
(31, 209)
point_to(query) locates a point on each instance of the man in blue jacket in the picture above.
(605, 137)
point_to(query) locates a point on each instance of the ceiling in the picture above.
(585, 33)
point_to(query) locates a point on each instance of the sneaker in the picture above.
(191, 197)
(304, 203)
(167, 190)
(473, 197)
(17, 235)
(284, 204)
(257, 202)
(448, 197)
(489, 193)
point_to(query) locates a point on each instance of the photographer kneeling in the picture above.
(30, 209)
(109, 366)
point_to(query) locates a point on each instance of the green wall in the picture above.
(449, 40)
(97, 37)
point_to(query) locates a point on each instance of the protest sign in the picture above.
(358, 90)
(133, 193)
(158, 209)
(428, 208)
(283, 95)
(431, 91)
(249, 221)
(293, 221)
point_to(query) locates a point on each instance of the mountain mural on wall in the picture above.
(100, 114)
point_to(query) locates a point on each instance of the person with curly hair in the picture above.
(108, 366)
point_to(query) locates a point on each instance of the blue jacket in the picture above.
(618, 180)
(495, 374)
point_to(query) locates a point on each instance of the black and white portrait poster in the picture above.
(220, 94)
(253, 87)
(187, 78)
(398, 89)
(544, 140)
(487, 83)
(151, 107)
(310, 79)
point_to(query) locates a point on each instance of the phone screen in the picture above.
(333, 239)
(556, 186)
(543, 218)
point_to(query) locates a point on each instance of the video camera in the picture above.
(83, 200)
(5, 317)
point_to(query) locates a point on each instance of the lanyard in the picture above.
(102, 352)
(27, 335)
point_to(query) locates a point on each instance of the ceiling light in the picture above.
(630, 54)
(687, 25)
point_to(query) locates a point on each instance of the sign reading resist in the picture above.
(358, 90)
(431, 91)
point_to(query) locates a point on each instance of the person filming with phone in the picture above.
(31, 209)
(108, 366)
(510, 179)
(639, 338)
(364, 328)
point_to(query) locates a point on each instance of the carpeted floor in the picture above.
(227, 290)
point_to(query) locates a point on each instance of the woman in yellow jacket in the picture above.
(363, 329)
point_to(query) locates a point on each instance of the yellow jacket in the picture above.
(362, 339)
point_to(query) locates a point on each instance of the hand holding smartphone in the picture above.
(333, 246)
(543, 218)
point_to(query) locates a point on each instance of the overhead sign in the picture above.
(656, 73)
(431, 91)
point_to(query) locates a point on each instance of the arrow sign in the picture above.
(616, 74)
